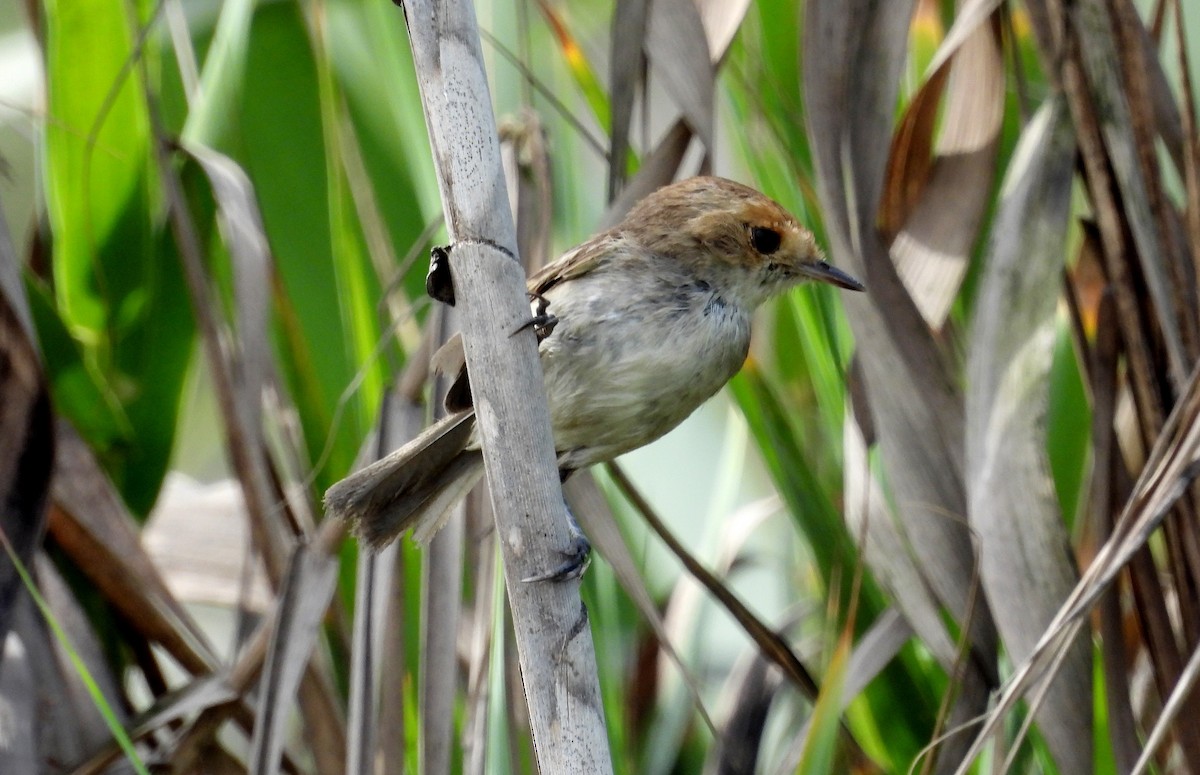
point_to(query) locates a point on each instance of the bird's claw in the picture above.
(579, 556)
(542, 322)
(440, 286)
(542, 325)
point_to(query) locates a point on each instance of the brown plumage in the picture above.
(653, 318)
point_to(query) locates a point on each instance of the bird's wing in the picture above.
(574, 263)
(451, 361)
(450, 357)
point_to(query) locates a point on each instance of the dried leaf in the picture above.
(891, 559)
(722, 19)
(77, 726)
(1101, 60)
(26, 428)
(626, 71)
(374, 590)
(853, 55)
(657, 170)
(304, 598)
(1173, 466)
(18, 707)
(935, 203)
(244, 234)
(852, 60)
(239, 397)
(527, 170)
(194, 697)
(677, 48)
(92, 525)
(1025, 552)
(910, 161)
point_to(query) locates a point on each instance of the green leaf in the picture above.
(290, 173)
(117, 280)
(79, 392)
(97, 152)
(820, 745)
(1068, 426)
(151, 359)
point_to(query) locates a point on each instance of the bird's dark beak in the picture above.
(823, 272)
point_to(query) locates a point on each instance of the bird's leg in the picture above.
(440, 286)
(542, 322)
(578, 554)
(438, 283)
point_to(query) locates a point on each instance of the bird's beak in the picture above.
(823, 272)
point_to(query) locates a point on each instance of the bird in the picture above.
(637, 327)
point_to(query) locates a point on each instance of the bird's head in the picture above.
(723, 228)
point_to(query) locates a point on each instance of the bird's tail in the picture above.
(413, 487)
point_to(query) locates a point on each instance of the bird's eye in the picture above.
(765, 241)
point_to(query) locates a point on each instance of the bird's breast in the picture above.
(625, 365)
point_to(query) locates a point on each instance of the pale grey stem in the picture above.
(553, 640)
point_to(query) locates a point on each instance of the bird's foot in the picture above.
(440, 286)
(578, 556)
(542, 322)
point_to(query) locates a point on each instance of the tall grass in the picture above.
(960, 504)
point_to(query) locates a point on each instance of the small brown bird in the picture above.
(649, 319)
